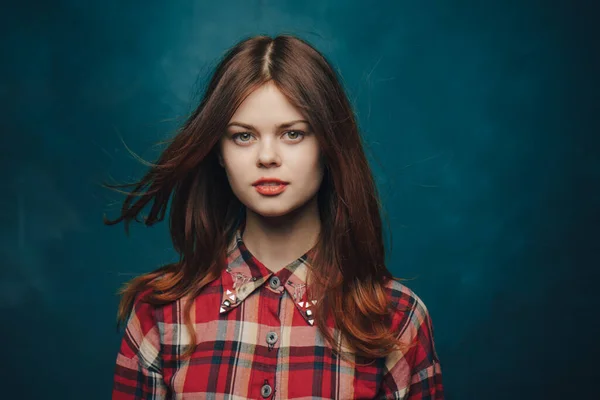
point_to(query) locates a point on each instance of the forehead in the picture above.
(266, 107)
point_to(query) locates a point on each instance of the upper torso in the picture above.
(257, 339)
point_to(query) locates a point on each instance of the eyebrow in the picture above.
(281, 126)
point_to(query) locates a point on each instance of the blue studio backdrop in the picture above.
(480, 121)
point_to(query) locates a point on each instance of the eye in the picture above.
(294, 135)
(234, 137)
(297, 133)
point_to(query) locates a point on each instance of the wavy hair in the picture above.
(348, 274)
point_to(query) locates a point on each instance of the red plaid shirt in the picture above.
(257, 340)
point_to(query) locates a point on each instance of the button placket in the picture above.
(271, 339)
(266, 389)
(274, 282)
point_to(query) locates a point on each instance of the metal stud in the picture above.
(308, 313)
(310, 321)
(227, 303)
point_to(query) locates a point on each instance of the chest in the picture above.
(263, 348)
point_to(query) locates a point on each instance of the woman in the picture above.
(281, 290)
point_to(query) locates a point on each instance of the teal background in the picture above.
(481, 120)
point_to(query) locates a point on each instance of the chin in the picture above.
(271, 212)
(278, 208)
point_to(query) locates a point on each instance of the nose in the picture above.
(268, 154)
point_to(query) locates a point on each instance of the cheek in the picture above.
(235, 175)
(233, 167)
(312, 172)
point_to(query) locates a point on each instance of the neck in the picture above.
(277, 241)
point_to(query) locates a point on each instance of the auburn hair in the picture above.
(348, 273)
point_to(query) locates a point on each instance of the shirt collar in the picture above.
(245, 273)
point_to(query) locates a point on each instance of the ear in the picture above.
(221, 161)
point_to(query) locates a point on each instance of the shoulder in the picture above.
(143, 311)
(403, 297)
(141, 332)
(413, 371)
(163, 308)
(409, 312)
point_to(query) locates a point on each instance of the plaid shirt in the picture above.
(257, 340)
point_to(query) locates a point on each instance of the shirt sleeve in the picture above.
(138, 370)
(416, 375)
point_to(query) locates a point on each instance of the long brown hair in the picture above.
(348, 273)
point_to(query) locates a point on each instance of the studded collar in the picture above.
(245, 273)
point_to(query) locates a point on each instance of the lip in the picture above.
(270, 190)
(269, 180)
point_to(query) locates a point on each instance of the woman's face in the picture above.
(259, 143)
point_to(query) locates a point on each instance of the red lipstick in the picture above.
(269, 180)
(270, 186)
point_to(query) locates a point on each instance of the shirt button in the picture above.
(266, 390)
(271, 337)
(274, 282)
